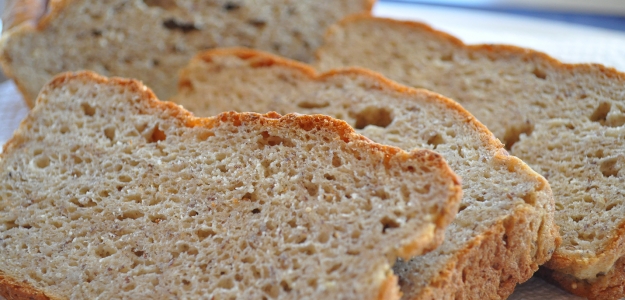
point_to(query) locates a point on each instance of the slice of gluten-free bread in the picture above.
(106, 192)
(565, 121)
(505, 228)
(151, 39)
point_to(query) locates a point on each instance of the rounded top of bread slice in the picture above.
(108, 192)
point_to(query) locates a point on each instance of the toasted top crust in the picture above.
(564, 120)
(115, 194)
(394, 114)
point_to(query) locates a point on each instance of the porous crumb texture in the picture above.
(565, 121)
(505, 227)
(151, 39)
(106, 192)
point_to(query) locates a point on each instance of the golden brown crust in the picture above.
(19, 11)
(12, 289)
(390, 289)
(491, 264)
(607, 287)
(484, 251)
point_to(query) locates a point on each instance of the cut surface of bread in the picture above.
(151, 39)
(505, 228)
(106, 192)
(565, 121)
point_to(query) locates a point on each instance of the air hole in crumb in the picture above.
(435, 140)
(447, 57)
(157, 135)
(371, 115)
(164, 4)
(225, 283)
(256, 210)
(601, 113)
(105, 251)
(88, 109)
(193, 213)
(353, 252)
(124, 178)
(157, 218)
(204, 135)
(513, 133)
(257, 23)
(586, 236)
(271, 290)
(335, 267)
(577, 218)
(312, 189)
(184, 27)
(329, 177)
(323, 237)
(285, 286)
(274, 140)
(463, 206)
(42, 162)
(230, 6)
(110, 133)
(610, 167)
(388, 223)
(132, 214)
(138, 253)
(205, 232)
(312, 105)
(529, 198)
(250, 197)
(336, 161)
(539, 73)
(610, 206)
(381, 193)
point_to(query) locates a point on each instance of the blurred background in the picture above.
(608, 14)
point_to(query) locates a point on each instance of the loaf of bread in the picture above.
(505, 228)
(106, 192)
(151, 39)
(565, 121)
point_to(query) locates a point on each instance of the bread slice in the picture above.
(151, 39)
(505, 228)
(107, 192)
(565, 121)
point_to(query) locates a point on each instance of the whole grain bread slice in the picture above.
(106, 192)
(566, 121)
(505, 228)
(152, 39)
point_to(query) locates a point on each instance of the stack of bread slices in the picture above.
(285, 180)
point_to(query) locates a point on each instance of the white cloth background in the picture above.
(569, 43)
